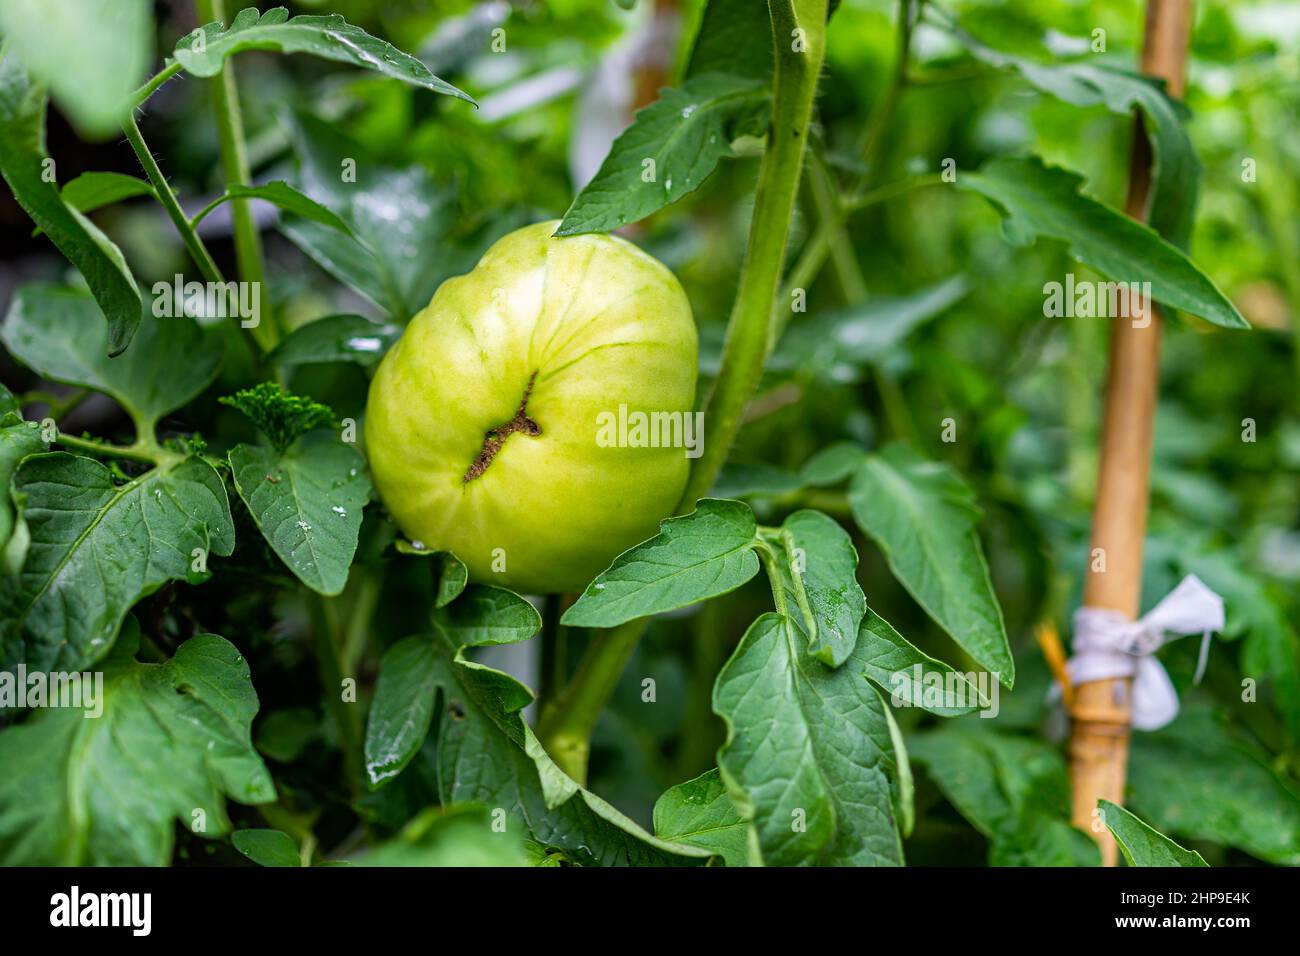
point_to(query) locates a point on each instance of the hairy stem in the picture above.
(140, 96)
(751, 322)
(324, 622)
(234, 162)
(198, 252)
(566, 727)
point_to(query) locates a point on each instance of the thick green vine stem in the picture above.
(567, 723)
(234, 162)
(799, 32)
(799, 29)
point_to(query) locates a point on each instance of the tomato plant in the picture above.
(649, 433)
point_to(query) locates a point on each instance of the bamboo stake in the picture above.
(1101, 714)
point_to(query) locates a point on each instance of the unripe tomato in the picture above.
(483, 420)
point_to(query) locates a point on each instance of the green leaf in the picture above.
(1270, 650)
(699, 813)
(459, 836)
(486, 614)
(1196, 780)
(488, 754)
(735, 36)
(281, 194)
(267, 847)
(693, 558)
(281, 416)
(836, 346)
(98, 547)
(890, 660)
(91, 191)
(754, 479)
(336, 338)
(823, 558)
(54, 331)
(396, 253)
(1084, 83)
(808, 760)
(22, 163)
(404, 696)
(284, 734)
(172, 740)
(16, 443)
(905, 791)
(684, 134)
(9, 405)
(1142, 845)
(922, 516)
(307, 502)
(91, 54)
(1037, 200)
(402, 709)
(1013, 790)
(203, 51)
(450, 574)
(832, 464)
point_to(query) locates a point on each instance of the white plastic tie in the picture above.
(1107, 644)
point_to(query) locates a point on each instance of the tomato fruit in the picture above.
(483, 421)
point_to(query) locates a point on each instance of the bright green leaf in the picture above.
(1086, 83)
(810, 745)
(98, 547)
(487, 754)
(450, 574)
(1142, 845)
(1037, 200)
(267, 847)
(699, 813)
(823, 558)
(203, 51)
(693, 558)
(735, 37)
(307, 502)
(281, 416)
(922, 516)
(91, 191)
(891, 661)
(485, 614)
(402, 709)
(336, 338)
(22, 163)
(281, 194)
(173, 739)
(55, 331)
(684, 134)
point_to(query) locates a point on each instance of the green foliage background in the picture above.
(956, 330)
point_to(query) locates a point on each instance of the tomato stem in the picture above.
(799, 29)
(234, 162)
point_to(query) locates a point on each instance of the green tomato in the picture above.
(487, 425)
